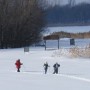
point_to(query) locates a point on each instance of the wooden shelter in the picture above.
(56, 37)
(51, 37)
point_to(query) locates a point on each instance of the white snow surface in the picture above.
(74, 73)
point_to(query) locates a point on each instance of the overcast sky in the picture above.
(66, 1)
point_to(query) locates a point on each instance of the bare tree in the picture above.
(71, 3)
(21, 22)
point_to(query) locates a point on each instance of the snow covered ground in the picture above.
(74, 73)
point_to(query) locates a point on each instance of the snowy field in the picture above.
(74, 73)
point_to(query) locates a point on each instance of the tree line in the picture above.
(21, 22)
(68, 14)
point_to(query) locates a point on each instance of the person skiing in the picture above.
(18, 65)
(46, 67)
(56, 66)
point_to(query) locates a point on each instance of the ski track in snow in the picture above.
(63, 75)
(76, 77)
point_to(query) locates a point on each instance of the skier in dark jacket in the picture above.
(18, 65)
(56, 66)
(46, 67)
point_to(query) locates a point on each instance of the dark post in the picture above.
(58, 43)
(45, 44)
(1, 37)
(72, 41)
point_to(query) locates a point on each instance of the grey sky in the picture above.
(66, 1)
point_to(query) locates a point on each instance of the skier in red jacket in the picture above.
(18, 65)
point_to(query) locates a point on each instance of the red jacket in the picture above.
(18, 64)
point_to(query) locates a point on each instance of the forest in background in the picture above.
(69, 14)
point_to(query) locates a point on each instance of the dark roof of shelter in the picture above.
(51, 37)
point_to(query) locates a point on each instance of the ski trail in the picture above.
(76, 77)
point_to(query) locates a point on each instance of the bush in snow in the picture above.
(73, 52)
(61, 52)
(80, 52)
